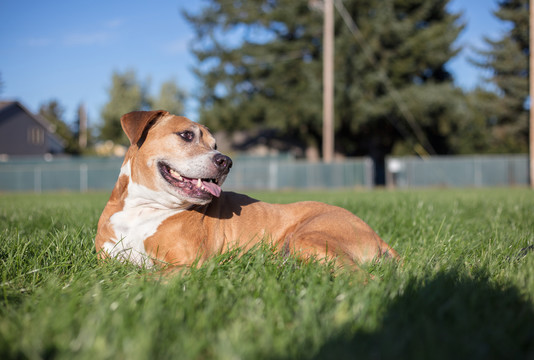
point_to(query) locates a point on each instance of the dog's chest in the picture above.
(132, 226)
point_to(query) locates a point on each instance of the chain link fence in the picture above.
(251, 173)
(458, 171)
(84, 174)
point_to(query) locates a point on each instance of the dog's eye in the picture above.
(215, 147)
(187, 135)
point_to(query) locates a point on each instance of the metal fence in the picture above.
(83, 174)
(273, 174)
(75, 174)
(458, 171)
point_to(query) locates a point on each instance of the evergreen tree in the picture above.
(126, 94)
(393, 92)
(507, 59)
(171, 98)
(272, 76)
(53, 112)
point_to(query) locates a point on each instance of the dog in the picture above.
(167, 208)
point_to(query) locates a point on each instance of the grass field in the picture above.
(465, 289)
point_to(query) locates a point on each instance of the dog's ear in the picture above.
(136, 124)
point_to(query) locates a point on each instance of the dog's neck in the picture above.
(140, 197)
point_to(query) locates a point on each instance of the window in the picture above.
(36, 135)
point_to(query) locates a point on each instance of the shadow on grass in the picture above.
(447, 317)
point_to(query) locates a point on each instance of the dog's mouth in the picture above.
(201, 188)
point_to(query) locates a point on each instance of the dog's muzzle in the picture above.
(198, 187)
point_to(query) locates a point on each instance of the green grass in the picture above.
(465, 288)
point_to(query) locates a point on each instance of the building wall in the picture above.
(20, 134)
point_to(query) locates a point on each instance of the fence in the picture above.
(75, 174)
(458, 171)
(273, 174)
(83, 174)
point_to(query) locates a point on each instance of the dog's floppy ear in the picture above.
(136, 124)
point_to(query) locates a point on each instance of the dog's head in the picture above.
(174, 155)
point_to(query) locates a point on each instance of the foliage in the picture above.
(465, 288)
(53, 112)
(127, 93)
(271, 79)
(271, 76)
(393, 90)
(171, 98)
(507, 60)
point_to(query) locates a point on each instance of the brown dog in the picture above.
(167, 206)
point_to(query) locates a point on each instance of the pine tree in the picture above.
(507, 59)
(393, 91)
(171, 98)
(53, 112)
(128, 94)
(125, 95)
(272, 76)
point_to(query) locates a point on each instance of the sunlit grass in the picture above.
(465, 288)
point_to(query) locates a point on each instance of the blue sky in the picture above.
(68, 50)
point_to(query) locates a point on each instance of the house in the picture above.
(25, 134)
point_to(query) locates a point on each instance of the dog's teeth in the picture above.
(199, 183)
(176, 175)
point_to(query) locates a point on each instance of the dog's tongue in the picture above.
(213, 188)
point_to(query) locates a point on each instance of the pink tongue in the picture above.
(214, 189)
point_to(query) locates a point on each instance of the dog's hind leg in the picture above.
(318, 246)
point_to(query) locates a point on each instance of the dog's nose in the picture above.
(222, 162)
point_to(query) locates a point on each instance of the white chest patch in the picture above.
(144, 210)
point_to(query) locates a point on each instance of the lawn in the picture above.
(465, 289)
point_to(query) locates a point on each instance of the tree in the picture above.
(393, 91)
(507, 60)
(171, 98)
(272, 76)
(473, 133)
(393, 87)
(53, 112)
(126, 94)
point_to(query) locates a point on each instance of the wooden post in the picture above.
(82, 127)
(531, 88)
(328, 81)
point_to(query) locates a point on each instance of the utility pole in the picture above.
(82, 127)
(328, 81)
(531, 89)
